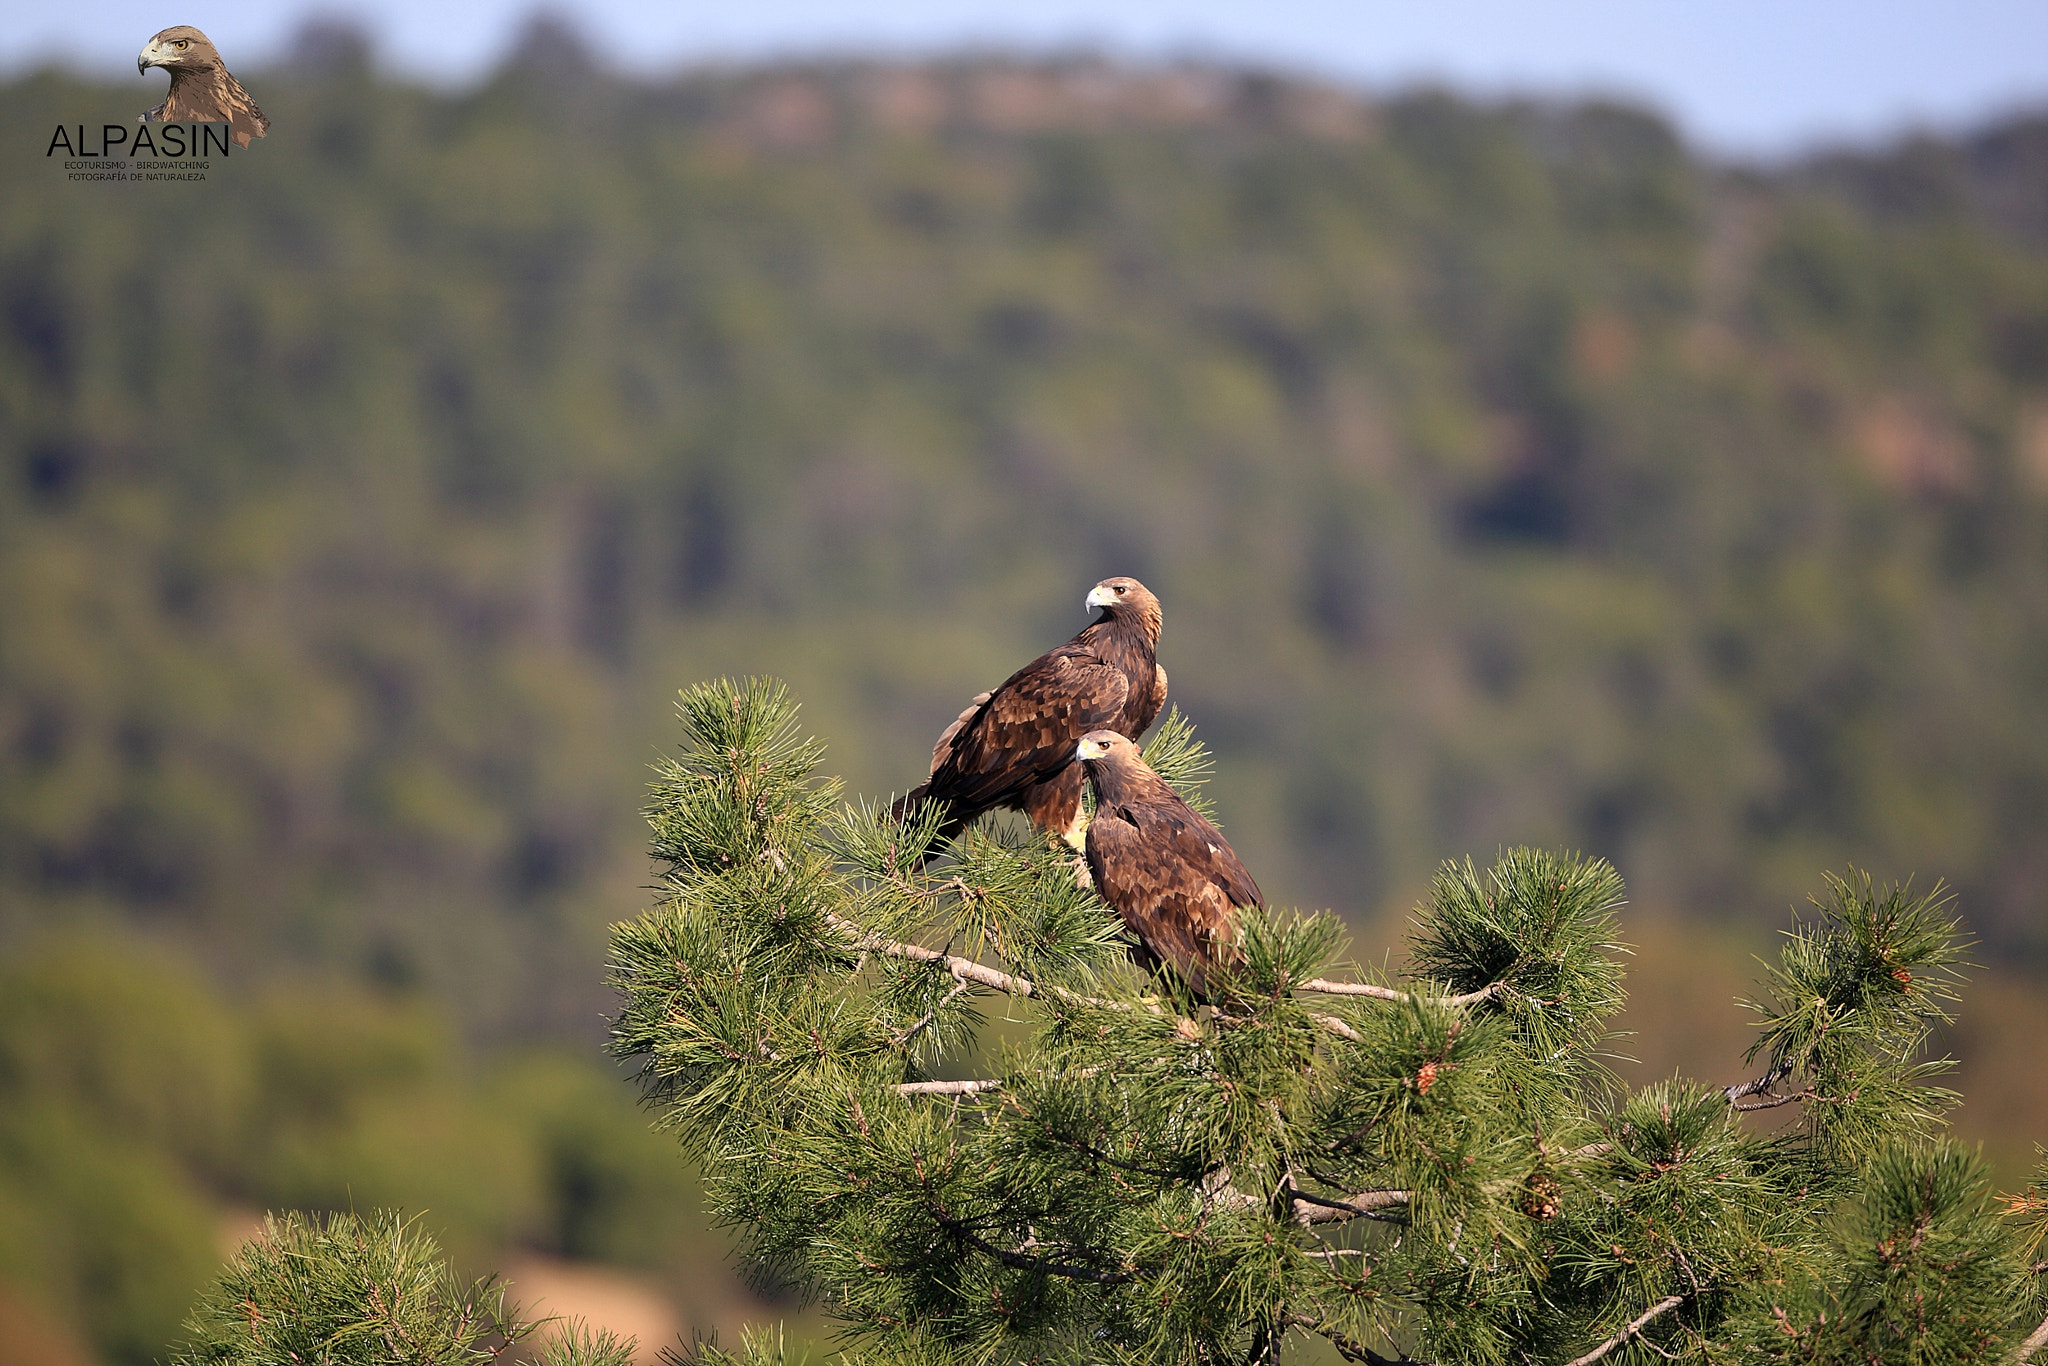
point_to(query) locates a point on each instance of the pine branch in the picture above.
(1353, 989)
(947, 1088)
(1023, 1261)
(1366, 1204)
(963, 969)
(905, 1036)
(966, 969)
(1339, 1028)
(1329, 988)
(1772, 1100)
(1788, 1098)
(1621, 1339)
(1779, 1071)
(2036, 1340)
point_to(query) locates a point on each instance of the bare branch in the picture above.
(947, 1088)
(1774, 1102)
(913, 1031)
(1339, 1028)
(1217, 1187)
(1762, 1085)
(963, 969)
(1329, 988)
(1366, 1203)
(967, 970)
(2036, 1340)
(1352, 989)
(1655, 1311)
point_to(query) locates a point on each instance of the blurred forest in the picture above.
(1509, 472)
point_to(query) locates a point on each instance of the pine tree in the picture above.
(937, 1096)
(1440, 1169)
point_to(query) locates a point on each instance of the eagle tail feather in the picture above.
(901, 808)
(950, 825)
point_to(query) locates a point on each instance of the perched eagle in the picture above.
(201, 91)
(1165, 868)
(1013, 748)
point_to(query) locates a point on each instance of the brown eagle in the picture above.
(1161, 864)
(1013, 748)
(201, 91)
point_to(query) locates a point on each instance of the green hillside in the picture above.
(1508, 473)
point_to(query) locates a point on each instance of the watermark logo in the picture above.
(202, 88)
(204, 111)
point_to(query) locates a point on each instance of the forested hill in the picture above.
(1509, 474)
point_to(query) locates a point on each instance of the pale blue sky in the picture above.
(1747, 76)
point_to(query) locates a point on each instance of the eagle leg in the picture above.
(1076, 833)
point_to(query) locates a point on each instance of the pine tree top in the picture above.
(1438, 1168)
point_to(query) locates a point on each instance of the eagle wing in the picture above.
(1174, 879)
(221, 100)
(1025, 729)
(245, 120)
(1154, 700)
(944, 747)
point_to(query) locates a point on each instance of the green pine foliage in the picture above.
(936, 1096)
(345, 1290)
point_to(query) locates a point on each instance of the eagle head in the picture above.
(1126, 597)
(1098, 745)
(181, 47)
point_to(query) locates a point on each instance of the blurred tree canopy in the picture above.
(142, 1116)
(1510, 474)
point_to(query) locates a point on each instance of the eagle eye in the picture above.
(1120, 588)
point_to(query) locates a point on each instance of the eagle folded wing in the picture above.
(1174, 881)
(1154, 700)
(1027, 728)
(944, 747)
(1205, 854)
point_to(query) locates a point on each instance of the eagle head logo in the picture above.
(202, 90)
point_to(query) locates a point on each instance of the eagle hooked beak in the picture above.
(1098, 596)
(145, 59)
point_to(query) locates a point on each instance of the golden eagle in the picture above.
(1165, 868)
(201, 91)
(1013, 748)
